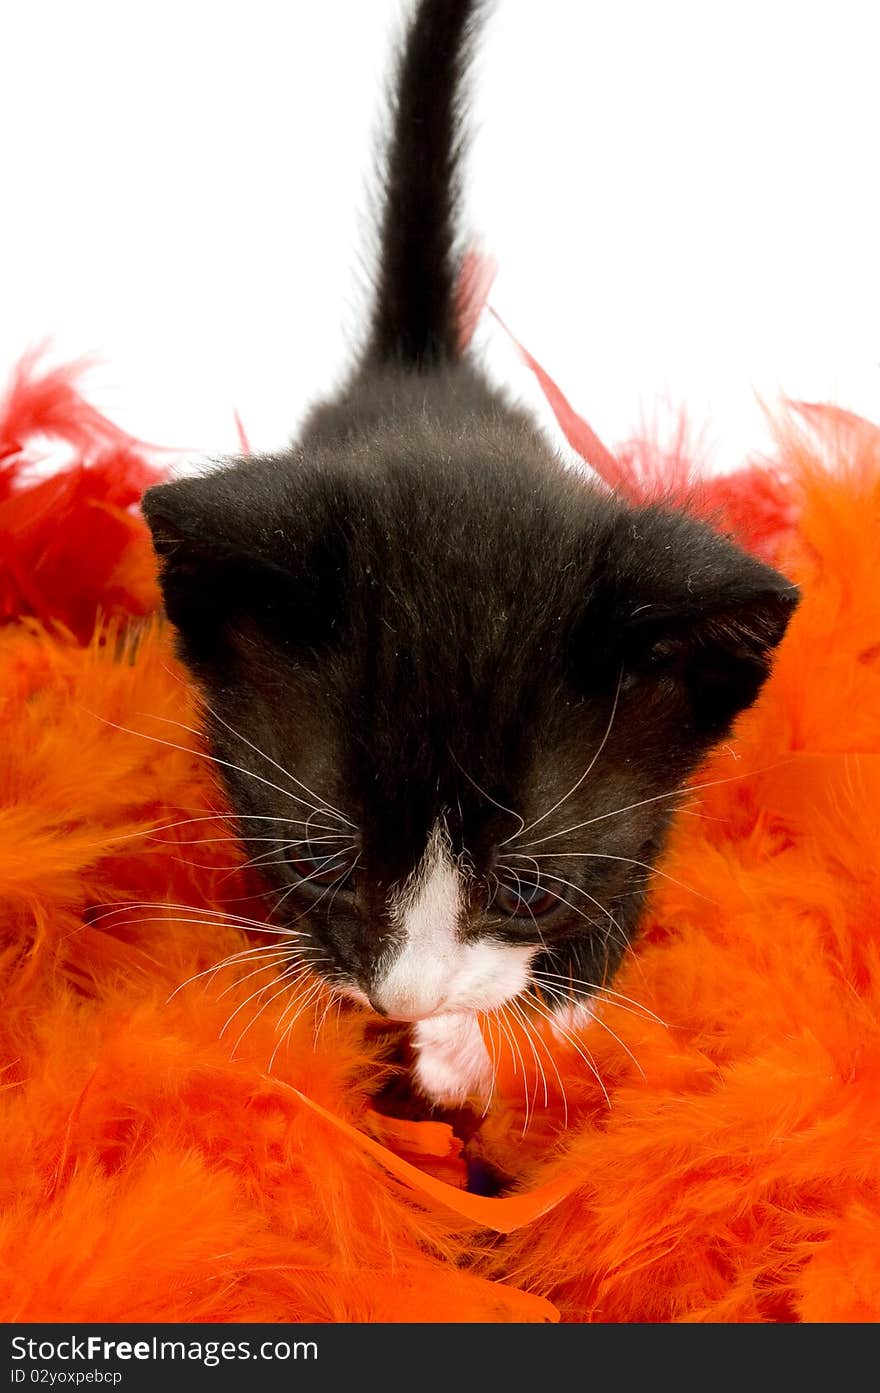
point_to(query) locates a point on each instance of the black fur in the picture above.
(414, 320)
(423, 616)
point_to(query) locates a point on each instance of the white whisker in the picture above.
(338, 884)
(560, 1029)
(345, 872)
(234, 960)
(493, 1055)
(631, 861)
(246, 837)
(298, 973)
(536, 885)
(590, 767)
(519, 886)
(494, 801)
(550, 1056)
(529, 1031)
(557, 879)
(515, 1045)
(199, 754)
(265, 857)
(274, 964)
(307, 994)
(280, 767)
(276, 932)
(294, 971)
(332, 994)
(594, 987)
(221, 917)
(673, 793)
(560, 995)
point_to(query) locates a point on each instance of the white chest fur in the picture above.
(452, 1062)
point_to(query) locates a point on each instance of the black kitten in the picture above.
(483, 675)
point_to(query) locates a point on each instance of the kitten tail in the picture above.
(414, 319)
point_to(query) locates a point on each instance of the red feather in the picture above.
(66, 550)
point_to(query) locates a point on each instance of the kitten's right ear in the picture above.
(218, 575)
(681, 606)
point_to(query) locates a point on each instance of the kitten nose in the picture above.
(404, 1006)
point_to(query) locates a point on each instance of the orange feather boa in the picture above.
(154, 1167)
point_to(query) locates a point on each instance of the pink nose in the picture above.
(404, 1006)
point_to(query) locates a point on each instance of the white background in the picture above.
(683, 198)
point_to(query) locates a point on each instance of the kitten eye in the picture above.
(524, 898)
(320, 869)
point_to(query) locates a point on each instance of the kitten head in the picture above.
(459, 687)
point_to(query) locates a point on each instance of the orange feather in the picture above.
(151, 1168)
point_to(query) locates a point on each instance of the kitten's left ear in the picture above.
(693, 611)
(226, 558)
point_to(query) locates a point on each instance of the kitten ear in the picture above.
(718, 654)
(218, 573)
(698, 615)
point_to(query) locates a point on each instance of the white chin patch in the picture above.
(439, 980)
(433, 970)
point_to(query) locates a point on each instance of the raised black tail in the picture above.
(414, 318)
